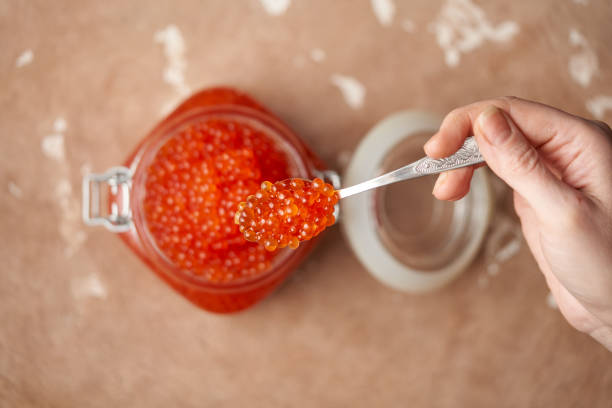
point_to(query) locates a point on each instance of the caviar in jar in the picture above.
(194, 185)
(173, 202)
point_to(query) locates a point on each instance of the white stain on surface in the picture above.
(505, 240)
(551, 302)
(461, 27)
(52, 145)
(275, 7)
(317, 55)
(599, 105)
(384, 10)
(508, 250)
(171, 104)
(581, 2)
(70, 226)
(502, 244)
(60, 125)
(70, 221)
(352, 90)
(14, 190)
(584, 64)
(174, 50)
(493, 269)
(408, 26)
(88, 286)
(25, 58)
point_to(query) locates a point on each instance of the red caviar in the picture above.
(286, 212)
(193, 188)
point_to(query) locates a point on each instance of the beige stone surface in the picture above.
(85, 324)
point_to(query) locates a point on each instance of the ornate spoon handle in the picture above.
(467, 155)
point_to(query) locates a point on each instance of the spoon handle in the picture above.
(467, 155)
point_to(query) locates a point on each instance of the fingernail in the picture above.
(493, 125)
(440, 182)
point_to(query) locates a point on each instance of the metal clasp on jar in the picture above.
(106, 199)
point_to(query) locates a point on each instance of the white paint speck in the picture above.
(408, 26)
(508, 250)
(171, 104)
(551, 302)
(25, 58)
(69, 219)
(275, 7)
(70, 226)
(174, 50)
(461, 26)
(60, 125)
(63, 189)
(493, 269)
(73, 237)
(483, 281)
(14, 190)
(317, 55)
(599, 105)
(352, 90)
(583, 65)
(53, 146)
(88, 286)
(384, 10)
(503, 242)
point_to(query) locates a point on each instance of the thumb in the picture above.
(510, 155)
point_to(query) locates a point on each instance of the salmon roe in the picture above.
(286, 212)
(193, 188)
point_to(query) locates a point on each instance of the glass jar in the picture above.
(120, 199)
(406, 238)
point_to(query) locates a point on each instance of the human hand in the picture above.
(560, 168)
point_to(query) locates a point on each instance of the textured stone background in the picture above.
(84, 324)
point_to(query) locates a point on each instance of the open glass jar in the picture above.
(406, 238)
(173, 200)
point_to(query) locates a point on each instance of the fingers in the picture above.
(453, 185)
(562, 139)
(539, 123)
(513, 158)
(455, 127)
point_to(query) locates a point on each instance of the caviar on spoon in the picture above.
(287, 212)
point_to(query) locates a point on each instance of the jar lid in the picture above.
(404, 237)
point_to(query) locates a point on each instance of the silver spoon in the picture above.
(467, 155)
